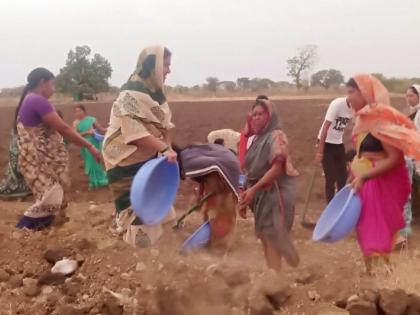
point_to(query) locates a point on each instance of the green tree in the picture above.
(258, 84)
(243, 83)
(229, 86)
(327, 78)
(304, 61)
(83, 74)
(212, 84)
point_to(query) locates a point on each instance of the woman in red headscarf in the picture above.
(271, 185)
(383, 136)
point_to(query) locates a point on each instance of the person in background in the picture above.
(226, 137)
(271, 184)
(330, 150)
(43, 159)
(245, 141)
(413, 102)
(13, 184)
(383, 136)
(139, 130)
(85, 125)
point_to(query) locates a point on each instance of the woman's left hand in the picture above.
(247, 197)
(357, 183)
(96, 154)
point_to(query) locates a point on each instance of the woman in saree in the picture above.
(383, 136)
(84, 125)
(13, 183)
(271, 184)
(138, 131)
(43, 159)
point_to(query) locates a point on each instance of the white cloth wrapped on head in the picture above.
(229, 136)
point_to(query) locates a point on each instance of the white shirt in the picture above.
(230, 137)
(339, 113)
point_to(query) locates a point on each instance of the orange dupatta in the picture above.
(384, 122)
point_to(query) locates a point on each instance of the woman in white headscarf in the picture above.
(413, 101)
(139, 130)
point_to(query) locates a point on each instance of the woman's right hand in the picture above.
(171, 156)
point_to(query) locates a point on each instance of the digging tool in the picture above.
(304, 222)
(192, 209)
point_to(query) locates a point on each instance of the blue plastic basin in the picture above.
(154, 189)
(198, 239)
(98, 136)
(339, 218)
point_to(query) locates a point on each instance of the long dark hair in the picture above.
(33, 79)
(352, 83)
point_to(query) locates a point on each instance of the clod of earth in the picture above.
(112, 307)
(305, 277)
(15, 281)
(84, 245)
(4, 276)
(30, 287)
(140, 266)
(393, 302)
(71, 288)
(314, 296)
(413, 305)
(361, 307)
(49, 278)
(236, 277)
(70, 310)
(54, 255)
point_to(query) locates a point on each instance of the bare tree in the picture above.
(305, 60)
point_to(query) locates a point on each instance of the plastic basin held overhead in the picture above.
(154, 189)
(339, 218)
(98, 136)
(198, 239)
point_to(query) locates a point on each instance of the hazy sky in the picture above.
(223, 38)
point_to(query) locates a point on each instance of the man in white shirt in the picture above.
(331, 151)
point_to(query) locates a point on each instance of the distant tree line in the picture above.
(84, 74)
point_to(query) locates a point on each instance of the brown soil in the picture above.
(159, 280)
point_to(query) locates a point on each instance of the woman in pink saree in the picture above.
(383, 136)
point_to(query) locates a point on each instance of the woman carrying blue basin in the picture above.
(139, 130)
